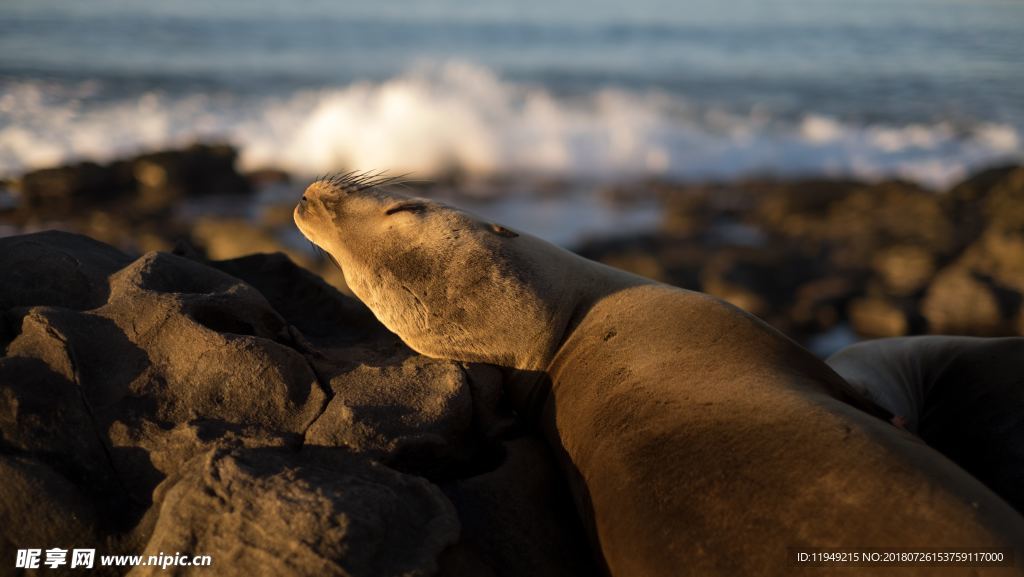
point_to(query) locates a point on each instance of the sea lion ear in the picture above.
(501, 231)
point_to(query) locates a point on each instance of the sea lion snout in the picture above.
(314, 193)
(312, 213)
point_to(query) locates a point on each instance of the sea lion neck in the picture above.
(581, 284)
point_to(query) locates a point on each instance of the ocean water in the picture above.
(578, 89)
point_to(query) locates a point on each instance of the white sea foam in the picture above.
(460, 116)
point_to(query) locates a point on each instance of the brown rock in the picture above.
(645, 265)
(989, 197)
(306, 301)
(173, 404)
(216, 348)
(884, 215)
(904, 270)
(164, 178)
(42, 414)
(976, 187)
(56, 268)
(762, 281)
(959, 303)
(41, 510)
(144, 453)
(797, 209)
(228, 238)
(271, 512)
(405, 405)
(225, 238)
(821, 303)
(999, 256)
(493, 418)
(874, 317)
(60, 191)
(1004, 203)
(687, 212)
(670, 259)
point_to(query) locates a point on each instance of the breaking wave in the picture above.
(458, 116)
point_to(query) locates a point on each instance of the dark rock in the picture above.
(982, 291)
(41, 509)
(643, 264)
(999, 256)
(762, 282)
(877, 317)
(8, 199)
(216, 348)
(266, 176)
(959, 302)
(821, 303)
(976, 187)
(42, 413)
(179, 405)
(164, 178)
(56, 268)
(884, 215)
(492, 418)
(989, 197)
(670, 259)
(63, 190)
(224, 238)
(687, 212)
(305, 301)
(271, 512)
(144, 452)
(797, 209)
(424, 411)
(228, 238)
(855, 219)
(519, 520)
(1004, 203)
(904, 270)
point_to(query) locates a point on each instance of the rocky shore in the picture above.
(175, 379)
(825, 261)
(813, 257)
(246, 410)
(158, 200)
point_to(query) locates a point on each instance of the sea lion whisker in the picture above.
(351, 181)
(359, 180)
(381, 179)
(401, 180)
(376, 179)
(343, 180)
(365, 176)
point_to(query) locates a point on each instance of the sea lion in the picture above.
(963, 395)
(696, 439)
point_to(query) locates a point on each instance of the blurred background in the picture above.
(844, 169)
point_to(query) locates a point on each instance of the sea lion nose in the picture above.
(309, 196)
(313, 193)
(304, 203)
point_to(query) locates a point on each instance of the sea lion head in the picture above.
(450, 284)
